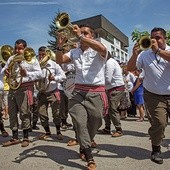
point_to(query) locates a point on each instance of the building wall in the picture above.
(115, 50)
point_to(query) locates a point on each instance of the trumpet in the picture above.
(65, 27)
(145, 43)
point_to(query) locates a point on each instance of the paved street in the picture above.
(129, 152)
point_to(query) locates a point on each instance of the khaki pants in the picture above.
(18, 105)
(114, 98)
(86, 109)
(44, 100)
(158, 107)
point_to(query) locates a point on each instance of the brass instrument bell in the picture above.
(145, 43)
(64, 26)
(5, 52)
(29, 55)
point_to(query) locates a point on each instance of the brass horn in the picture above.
(63, 20)
(43, 84)
(29, 55)
(65, 27)
(5, 52)
(15, 78)
(145, 43)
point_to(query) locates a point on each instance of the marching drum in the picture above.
(69, 84)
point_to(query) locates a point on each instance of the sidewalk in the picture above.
(129, 152)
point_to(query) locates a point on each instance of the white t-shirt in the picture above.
(89, 66)
(113, 74)
(157, 72)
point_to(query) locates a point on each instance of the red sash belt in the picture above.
(101, 89)
(118, 88)
(27, 84)
(89, 88)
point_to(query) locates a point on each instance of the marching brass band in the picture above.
(27, 72)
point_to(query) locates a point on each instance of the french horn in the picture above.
(14, 68)
(5, 52)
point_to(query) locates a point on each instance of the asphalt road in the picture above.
(129, 152)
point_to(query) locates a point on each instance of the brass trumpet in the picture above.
(145, 43)
(64, 26)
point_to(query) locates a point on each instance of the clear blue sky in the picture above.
(30, 19)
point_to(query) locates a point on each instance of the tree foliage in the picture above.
(136, 35)
(52, 33)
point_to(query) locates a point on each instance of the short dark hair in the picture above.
(42, 48)
(89, 26)
(21, 41)
(159, 29)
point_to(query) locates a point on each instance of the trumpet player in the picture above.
(156, 64)
(86, 105)
(51, 95)
(21, 98)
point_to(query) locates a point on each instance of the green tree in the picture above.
(136, 35)
(52, 33)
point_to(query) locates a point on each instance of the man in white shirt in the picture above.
(50, 95)
(20, 97)
(156, 64)
(86, 104)
(115, 91)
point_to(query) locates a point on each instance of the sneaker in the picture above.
(11, 142)
(91, 165)
(25, 142)
(156, 157)
(104, 131)
(5, 134)
(117, 134)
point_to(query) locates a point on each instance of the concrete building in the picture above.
(110, 35)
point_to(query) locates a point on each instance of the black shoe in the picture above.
(156, 157)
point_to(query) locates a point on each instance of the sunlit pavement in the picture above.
(129, 152)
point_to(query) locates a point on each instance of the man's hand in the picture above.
(154, 45)
(136, 49)
(23, 72)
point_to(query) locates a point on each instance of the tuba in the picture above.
(64, 27)
(15, 79)
(145, 43)
(43, 84)
(5, 52)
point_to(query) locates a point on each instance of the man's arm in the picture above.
(131, 65)
(60, 57)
